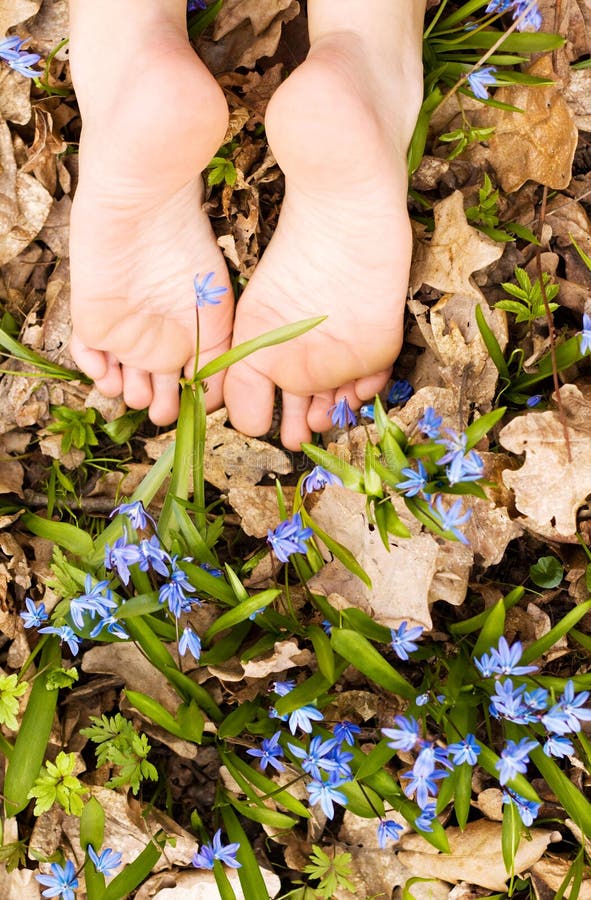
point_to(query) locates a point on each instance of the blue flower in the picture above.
(533, 400)
(465, 468)
(455, 443)
(190, 641)
(585, 335)
(205, 858)
(565, 715)
(319, 478)
(112, 625)
(514, 759)
(405, 736)
(192, 5)
(422, 699)
(400, 392)
(507, 703)
(527, 809)
(152, 555)
(120, 557)
(341, 414)
(532, 20)
(481, 80)
(327, 626)
(35, 615)
(450, 519)
(107, 862)
(65, 633)
(414, 482)
(269, 753)
(289, 537)
(303, 717)
(388, 830)
(22, 63)
(368, 411)
(326, 793)
(136, 514)
(317, 756)
(504, 659)
(425, 820)
(428, 756)
(62, 883)
(175, 591)
(217, 573)
(10, 46)
(402, 641)
(345, 732)
(96, 600)
(423, 785)
(430, 423)
(499, 6)
(465, 751)
(557, 745)
(281, 688)
(206, 295)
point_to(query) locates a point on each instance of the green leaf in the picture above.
(251, 879)
(63, 534)
(366, 659)
(349, 475)
(269, 339)
(362, 800)
(572, 799)
(492, 345)
(154, 711)
(477, 430)
(306, 692)
(125, 883)
(238, 767)
(235, 723)
(92, 825)
(539, 647)
(375, 760)
(510, 835)
(548, 572)
(491, 630)
(468, 626)
(264, 815)
(365, 625)
(241, 612)
(324, 652)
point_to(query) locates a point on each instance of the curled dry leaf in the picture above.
(286, 655)
(246, 30)
(475, 855)
(33, 203)
(15, 97)
(455, 251)
(537, 143)
(548, 487)
(13, 12)
(405, 581)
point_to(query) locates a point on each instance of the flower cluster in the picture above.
(289, 537)
(103, 609)
(18, 59)
(62, 882)
(525, 10)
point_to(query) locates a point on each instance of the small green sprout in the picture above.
(76, 428)
(57, 783)
(10, 689)
(485, 216)
(120, 745)
(330, 873)
(464, 136)
(528, 304)
(221, 168)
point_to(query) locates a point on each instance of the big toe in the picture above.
(249, 397)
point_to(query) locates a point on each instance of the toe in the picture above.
(294, 426)
(111, 383)
(249, 398)
(92, 362)
(366, 388)
(137, 388)
(164, 408)
(319, 415)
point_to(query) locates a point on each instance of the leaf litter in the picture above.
(536, 493)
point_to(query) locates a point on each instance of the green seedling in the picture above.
(76, 427)
(57, 783)
(548, 572)
(485, 216)
(528, 303)
(118, 744)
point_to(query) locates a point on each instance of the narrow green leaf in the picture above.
(235, 723)
(264, 815)
(539, 647)
(510, 836)
(324, 652)
(251, 879)
(362, 800)
(236, 765)
(92, 825)
(124, 884)
(349, 475)
(63, 534)
(222, 882)
(488, 759)
(139, 605)
(375, 760)
(210, 584)
(365, 625)
(139, 631)
(491, 344)
(183, 462)
(576, 805)
(477, 430)
(306, 692)
(269, 339)
(154, 711)
(342, 553)
(189, 688)
(491, 630)
(241, 612)
(366, 659)
(191, 721)
(468, 626)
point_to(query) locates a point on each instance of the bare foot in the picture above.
(339, 129)
(153, 117)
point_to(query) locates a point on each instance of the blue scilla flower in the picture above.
(153, 556)
(217, 573)
(338, 764)
(319, 478)
(514, 759)
(505, 659)
(205, 858)
(327, 627)
(9, 46)
(422, 699)
(507, 703)
(327, 794)
(400, 392)
(61, 883)
(429, 755)
(110, 624)
(465, 468)
(23, 62)
(120, 556)
(424, 822)
(480, 80)
(424, 786)
(341, 414)
(303, 717)
(281, 688)
(414, 482)
(430, 423)
(566, 715)
(499, 6)
(65, 634)
(388, 830)
(289, 537)
(35, 615)
(190, 641)
(557, 745)
(107, 862)
(532, 20)
(451, 518)
(193, 5)
(585, 335)
(345, 732)
(318, 756)
(97, 599)
(403, 641)
(136, 514)
(455, 443)
(174, 592)
(368, 411)
(465, 751)
(533, 401)
(206, 295)
(269, 753)
(405, 735)
(527, 809)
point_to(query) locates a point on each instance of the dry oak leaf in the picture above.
(548, 488)
(13, 12)
(199, 885)
(475, 856)
(286, 655)
(455, 251)
(538, 143)
(254, 27)
(33, 203)
(416, 571)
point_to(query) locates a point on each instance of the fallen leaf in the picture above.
(199, 885)
(246, 30)
(537, 143)
(11, 477)
(12, 12)
(20, 884)
(416, 571)
(548, 488)
(49, 27)
(33, 203)
(257, 507)
(455, 251)
(137, 673)
(15, 97)
(550, 873)
(286, 655)
(475, 855)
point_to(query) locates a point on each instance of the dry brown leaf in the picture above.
(245, 31)
(50, 26)
(198, 885)
(15, 97)
(549, 873)
(13, 12)
(138, 674)
(33, 203)
(538, 143)
(11, 477)
(20, 884)
(286, 655)
(257, 507)
(548, 488)
(455, 251)
(416, 572)
(475, 855)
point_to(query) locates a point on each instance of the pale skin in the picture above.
(339, 126)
